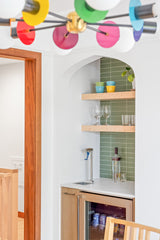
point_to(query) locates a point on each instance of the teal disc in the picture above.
(136, 23)
(87, 13)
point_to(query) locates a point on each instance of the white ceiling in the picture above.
(61, 5)
(4, 61)
(65, 5)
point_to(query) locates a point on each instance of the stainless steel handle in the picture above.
(78, 213)
(71, 194)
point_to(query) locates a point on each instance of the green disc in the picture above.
(87, 13)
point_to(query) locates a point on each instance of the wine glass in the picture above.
(97, 113)
(107, 112)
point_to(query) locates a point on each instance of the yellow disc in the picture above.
(34, 19)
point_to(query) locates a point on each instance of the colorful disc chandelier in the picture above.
(91, 15)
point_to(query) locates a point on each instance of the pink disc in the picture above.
(23, 33)
(109, 39)
(63, 39)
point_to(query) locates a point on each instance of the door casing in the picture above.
(32, 196)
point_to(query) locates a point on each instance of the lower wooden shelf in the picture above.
(108, 128)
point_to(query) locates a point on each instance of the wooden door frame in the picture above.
(32, 198)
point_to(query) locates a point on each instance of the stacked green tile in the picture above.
(111, 70)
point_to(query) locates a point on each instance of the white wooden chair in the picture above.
(132, 231)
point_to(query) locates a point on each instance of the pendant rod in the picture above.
(111, 25)
(118, 16)
(45, 21)
(67, 34)
(44, 28)
(96, 30)
(53, 21)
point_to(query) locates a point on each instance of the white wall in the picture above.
(143, 58)
(60, 146)
(147, 139)
(12, 121)
(69, 114)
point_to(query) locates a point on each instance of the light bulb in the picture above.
(126, 40)
(158, 29)
(102, 5)
(6, 41)
(156, 9)
(10, 8)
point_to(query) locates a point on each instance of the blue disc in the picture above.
(136, 23)
(137, 34)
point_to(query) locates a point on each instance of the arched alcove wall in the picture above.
(68, 75)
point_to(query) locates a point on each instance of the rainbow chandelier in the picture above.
(89, 15)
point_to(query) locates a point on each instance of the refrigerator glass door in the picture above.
(95, 219)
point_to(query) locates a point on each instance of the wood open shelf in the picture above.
(109, 96)
(108, 128)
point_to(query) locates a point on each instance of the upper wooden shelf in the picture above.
(109, 96)
(108, 128)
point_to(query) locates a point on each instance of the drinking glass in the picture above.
(106, 112)
(97, 113)
(123, 177)
(125, 120)
(132, 120)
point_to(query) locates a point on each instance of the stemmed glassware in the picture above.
(106, 112)
(97, 112)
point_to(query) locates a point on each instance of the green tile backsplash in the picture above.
(111, 70)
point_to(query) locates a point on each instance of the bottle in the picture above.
(116, 169)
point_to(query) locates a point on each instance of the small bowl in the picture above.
(110, 89)
(110, 83)
(100, 84)
(99, 89)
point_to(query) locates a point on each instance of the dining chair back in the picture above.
(132, 230)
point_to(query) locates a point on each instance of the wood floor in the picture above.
(20, 228)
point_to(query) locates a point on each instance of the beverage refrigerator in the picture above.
(94, 210)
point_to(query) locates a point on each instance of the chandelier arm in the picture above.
(19, 20)
(45, 21)
(67, 34)
(58, 16)
(111, 25)
(117, 16)
(53, 21)
(96, 30)
(44, 28)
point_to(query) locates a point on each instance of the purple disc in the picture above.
(64, 39)
(137, 34)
